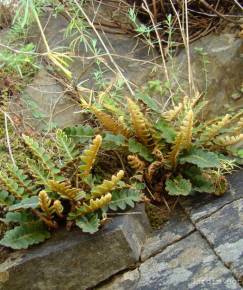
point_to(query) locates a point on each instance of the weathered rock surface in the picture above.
(46, 104)
(176, 228)
(77, 261)
(224, 231)
(202, 205)
(187, 264)
(216, 70)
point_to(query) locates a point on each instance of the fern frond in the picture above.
(140, 124)
(21, 178)
(12, 186)
(44, 201)
(66, 145)
(176, 148)
(107, 185)
(97, 203)
(239, 126)
(186, 129)
(212, 131)
(37, 170)
(89, 156)
(41, 154)
(57, 207)
(152, 168)
(65, 190)
(228, 140)
(173, 113)
(135, 163)
(110, 124)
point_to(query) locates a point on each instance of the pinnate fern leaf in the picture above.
(178, 186)
(88, 224)
(66, 145)
(107, 185)
(201, 158)
(123, 198)
(88, 156)
(23, 236)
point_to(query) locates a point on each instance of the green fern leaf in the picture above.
(168, 132)
(66, 145)
(123, 198)
(21, 237)
(111, 141)
(201, 158)
(6, 199)
(12, 186)
(18, 217)
(88, 224)
(140, 149)
(80, 134)
(29, 202)
(178, 186)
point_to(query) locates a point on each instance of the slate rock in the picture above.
(73, 260)
(224, 231)
(187, 264)
(202, 205)
(177, 227)
(217, 69)
(46, 104)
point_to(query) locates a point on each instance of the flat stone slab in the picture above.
(177, 227)
(187, 264)
(45, 104)
(202, 205)
(73, 260)
(224, 231)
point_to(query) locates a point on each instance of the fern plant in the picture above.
(175, 152)
(57, 186)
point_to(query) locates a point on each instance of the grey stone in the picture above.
(223, 62)
(131, 54)
(202, 205)
(187, 264)
(45, 104)
(177, 227)
(224, 231)
(75, 260)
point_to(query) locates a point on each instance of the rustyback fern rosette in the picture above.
(176, 153)
(57, 186)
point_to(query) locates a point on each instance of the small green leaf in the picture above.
(178, 186)
(18, 217)
(5, 198)
(29, 202)
(88, 224)
(150, 102)
(111, 141)
(201, 158)
(140, 149)
(123, 198)
(168, 132)
(21, 237)
(81, 134)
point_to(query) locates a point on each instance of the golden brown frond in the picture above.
(135, 163)
(212, 131)
(173, 113)
(140, 124)
(109, 123)
(228, 140)
(44, 201)
(57, 207)
(239, 126)
(196, 99)
(63, 189)
(186, 129)
(176, 148)
(158, 154)
(107, 185)
(89, 156)
(153, 167)
(97, 203)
